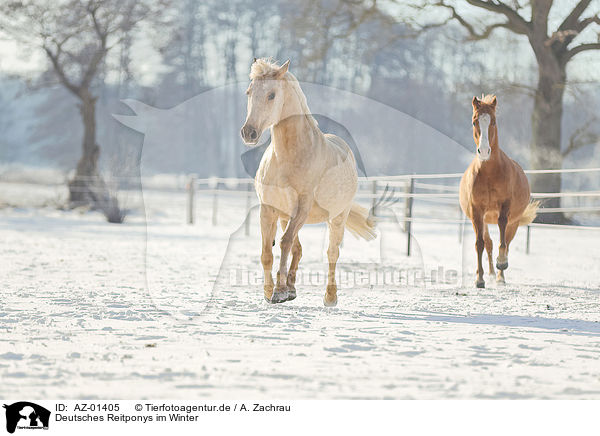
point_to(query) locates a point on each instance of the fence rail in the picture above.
(369, 189)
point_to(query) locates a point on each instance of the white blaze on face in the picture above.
(484, 150)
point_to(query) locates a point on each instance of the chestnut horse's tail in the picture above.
(529, 214)
(360, 223)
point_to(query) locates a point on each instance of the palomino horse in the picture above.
(493, 190)
(304, 176)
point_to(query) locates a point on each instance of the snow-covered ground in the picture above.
(156, 308)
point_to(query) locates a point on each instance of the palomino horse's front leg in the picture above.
(336, 234)
(281, 293)
(479, 245)
(268, 228)
(296, 256)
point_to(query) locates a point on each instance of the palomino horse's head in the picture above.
(484, 125)
(265, 98)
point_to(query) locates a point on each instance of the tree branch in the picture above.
(565, 35)
(572, 20)
(581, 48)
(516, 22)
(59, 70)
(473, 34)
(100, 52)
(581, 137)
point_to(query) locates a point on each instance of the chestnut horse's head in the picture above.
(484, 125)
(266, 95)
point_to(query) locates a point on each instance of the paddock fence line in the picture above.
(404, 187)
(407, 188)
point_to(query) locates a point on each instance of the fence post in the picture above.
(215, 205)
(248, 207)
(408, 214)
(374, 202)
(190, 203)
(528, 239)
(461, 224)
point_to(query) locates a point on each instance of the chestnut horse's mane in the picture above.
(488, 101)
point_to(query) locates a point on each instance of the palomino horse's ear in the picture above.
(283, 69)
(494, 101)
(476, 103)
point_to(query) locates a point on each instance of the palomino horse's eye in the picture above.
(271, 96)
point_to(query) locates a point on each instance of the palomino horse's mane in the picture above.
(267, 69)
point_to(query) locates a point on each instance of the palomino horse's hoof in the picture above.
(278, 297)
(501, 265)
(328, 303)
(480, 283)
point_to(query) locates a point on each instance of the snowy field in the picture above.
(154, 308)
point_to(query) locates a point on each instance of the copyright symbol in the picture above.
(138, 407)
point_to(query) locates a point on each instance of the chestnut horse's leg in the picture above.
(489, 246)
(336, 234)
(479, 245)
(281, 293)
(268, 228)
(502, 260)
(296, 256)
(511, 230)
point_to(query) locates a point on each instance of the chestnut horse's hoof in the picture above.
(291, 293)
(480, 283)
(501, 265)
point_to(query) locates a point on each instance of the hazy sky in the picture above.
(147, 63)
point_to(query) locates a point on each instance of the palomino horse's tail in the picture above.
(360, 223)
(529, 214)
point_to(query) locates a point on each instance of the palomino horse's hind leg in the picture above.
(268, 227)
(489, 246)
(336, 234)
(511, 230)
(291, 279)
(479, 245)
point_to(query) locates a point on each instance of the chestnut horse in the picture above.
(493, 190)
(305, 176)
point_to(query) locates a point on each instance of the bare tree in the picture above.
(76, 36)
(553, 50)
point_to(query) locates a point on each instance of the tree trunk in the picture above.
(546, 135)
(87, 186)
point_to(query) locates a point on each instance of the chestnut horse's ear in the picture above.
(494, 101)
(476, 103)
(283, 69)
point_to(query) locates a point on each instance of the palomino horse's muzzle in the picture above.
(249, 134)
